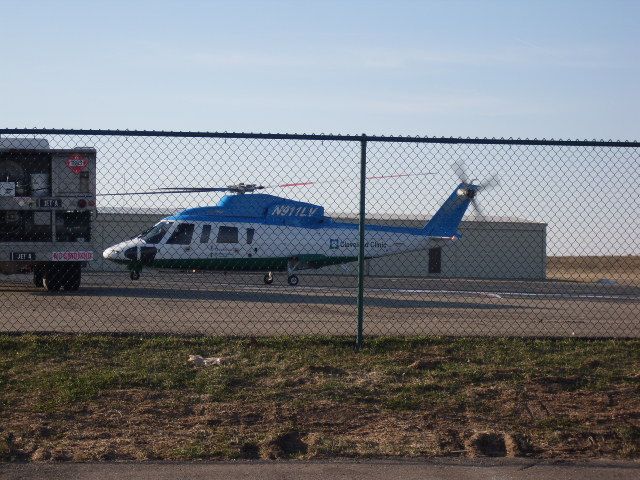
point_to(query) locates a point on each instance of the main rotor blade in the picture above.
(163, 191)
(338, 180)
(148, 192)
(400, 175)
(196, 189)
(172, 190)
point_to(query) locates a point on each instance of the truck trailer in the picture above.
(47, 206)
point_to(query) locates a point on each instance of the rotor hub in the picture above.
(242, 188)
(468, 192)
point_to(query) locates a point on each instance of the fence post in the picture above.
(363, 183)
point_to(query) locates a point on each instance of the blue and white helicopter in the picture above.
(256, 232)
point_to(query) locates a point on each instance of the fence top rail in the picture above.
(320, 137)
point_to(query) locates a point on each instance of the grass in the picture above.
(103, 397)
(623, 269)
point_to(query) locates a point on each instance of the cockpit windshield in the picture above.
(155, 233)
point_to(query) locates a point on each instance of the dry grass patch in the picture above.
(87, 398)
(625, 270)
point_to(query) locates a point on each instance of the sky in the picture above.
(554, 69)
(505, 69)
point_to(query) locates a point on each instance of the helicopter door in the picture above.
(227, 242)
(200, 242)
(251, 248)
(178, 245)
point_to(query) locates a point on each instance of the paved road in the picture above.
(216, 304)
(370, 470)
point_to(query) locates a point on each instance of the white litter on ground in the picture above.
(200, 361)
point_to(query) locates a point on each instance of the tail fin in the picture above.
(447, 219)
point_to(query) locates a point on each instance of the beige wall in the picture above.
(486, 250)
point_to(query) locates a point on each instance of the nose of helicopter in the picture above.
(122, 252)
(112, 253)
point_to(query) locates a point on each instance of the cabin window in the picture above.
(156, 233)
(206, 233)
(227, 235)
(182, 234)
(250, 233)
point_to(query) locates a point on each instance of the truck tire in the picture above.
(51, 280)
(72, 277)
(38, 277)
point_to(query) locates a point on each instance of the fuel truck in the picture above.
(47, 206)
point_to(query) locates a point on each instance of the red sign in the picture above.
(77, 162)
(71, 256)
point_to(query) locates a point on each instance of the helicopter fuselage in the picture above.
(259, 232)
(217, 244)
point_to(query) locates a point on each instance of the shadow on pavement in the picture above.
(276, 298)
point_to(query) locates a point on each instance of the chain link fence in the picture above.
(165, 232)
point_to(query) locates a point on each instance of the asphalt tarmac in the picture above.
(240, 304)
(435, 469)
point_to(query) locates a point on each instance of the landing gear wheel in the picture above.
(293, 280)
(268, 278)
(134, 275)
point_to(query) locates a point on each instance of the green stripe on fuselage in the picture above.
(271, 264)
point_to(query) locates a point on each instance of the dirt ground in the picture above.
(625, 270)
(134, 424)
(104, 398)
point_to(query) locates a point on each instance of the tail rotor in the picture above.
(470, 189)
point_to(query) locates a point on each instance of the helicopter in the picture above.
(257, 232)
